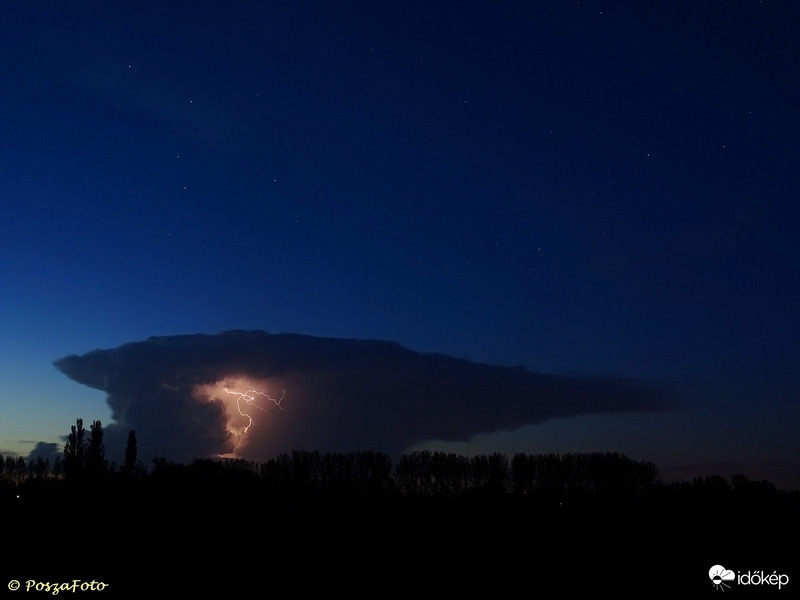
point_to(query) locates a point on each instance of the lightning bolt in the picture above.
(249, 398)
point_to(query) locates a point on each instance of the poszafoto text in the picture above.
(54, 588)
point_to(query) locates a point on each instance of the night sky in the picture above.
(595, 191)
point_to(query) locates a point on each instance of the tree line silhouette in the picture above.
(547, 480)
(596, 514)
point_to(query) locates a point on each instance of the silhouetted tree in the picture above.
(58, 466)
(20, 470)
(742, 484)
(713, 484)
(130, 454)
(355, 472)
(523, 473)
(490, 473)
(40, 467)
(75, 452)
(413, 473)
(96, 451)
(450, 473)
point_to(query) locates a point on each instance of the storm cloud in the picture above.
(183, 395)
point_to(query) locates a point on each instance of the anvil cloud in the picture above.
(341, 395)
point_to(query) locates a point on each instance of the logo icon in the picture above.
(719, 575)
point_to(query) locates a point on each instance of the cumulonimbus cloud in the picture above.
(209, 395)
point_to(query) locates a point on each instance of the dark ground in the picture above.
(299, 548)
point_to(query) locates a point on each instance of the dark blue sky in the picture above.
(590, 188)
